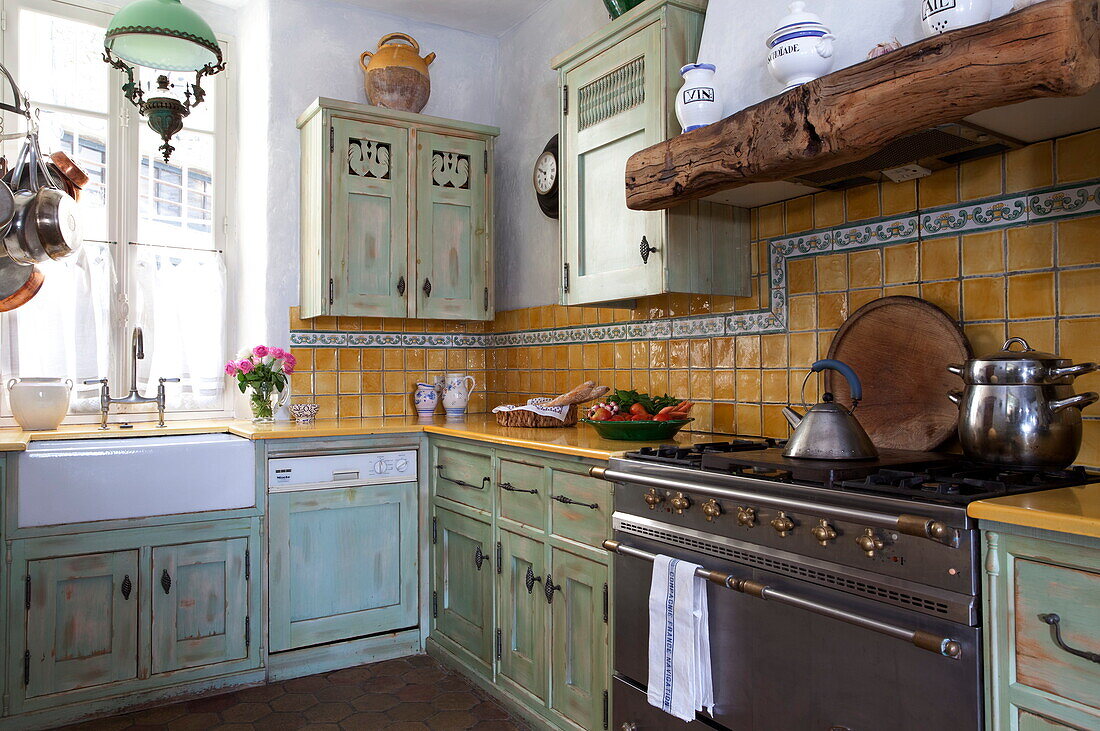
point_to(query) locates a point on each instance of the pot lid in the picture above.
(797, 21)
(1027, 353)
(1009, 366)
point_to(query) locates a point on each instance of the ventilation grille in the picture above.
(817, 576)
(611, 94)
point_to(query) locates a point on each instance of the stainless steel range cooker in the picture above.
(843, 595)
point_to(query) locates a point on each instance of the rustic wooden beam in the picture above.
(1047, 50)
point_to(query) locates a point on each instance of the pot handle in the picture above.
(12, 382)
(400, 37)
(1079, 401)
(956, 369)
(1074, 370)
(69, 383)
(854, 384)
(955, 397)
(363, 58)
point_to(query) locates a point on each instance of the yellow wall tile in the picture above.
(393, 359)
(678, 354)
(1077, 341)
(984, 299)
(983, 253)
(773, 350)
(305, 358)
(865, 268)
(702, 384)
(349, 406)
(800, 276)
(1039, 334)
(724, 385)
(1031, 295)
(1078, 157)
(941, 188)
(859, 297)
(1080, 293)
(679, 382)
(723, 352)
(1030, 247)
(774, 424)
(748, 385)
(980, 178)
(863, 202)
(774, 386)
(832, 272)
(771, 221)
(700, 353)
(828, 209)
(1090, 444)
(899, 197)
(985, 338)
(348, 382)
(800, 214)
(1029, 167)
(803, 349)
(370, 383)
(939, 259)
(347, 359)
(802, 313)
(747, 419)
(723, 418)
(900, 263)
(1079, 241)
(832, 310)
(324, 359)
(324, 383)
(944, 295)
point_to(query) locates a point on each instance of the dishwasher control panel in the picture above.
(314, 472)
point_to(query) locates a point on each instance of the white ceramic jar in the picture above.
(800, 49)
(696, 103)
(941, 16)
(456, 393)
(39, 404)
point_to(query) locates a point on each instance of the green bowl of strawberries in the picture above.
(639, 417)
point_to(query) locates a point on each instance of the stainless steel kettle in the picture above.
(828, 430)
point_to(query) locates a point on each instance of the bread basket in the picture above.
(524, 418)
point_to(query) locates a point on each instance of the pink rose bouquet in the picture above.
(263, 370)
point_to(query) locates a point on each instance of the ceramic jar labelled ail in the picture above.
(696, 103)
(800, 49)
(941, 16)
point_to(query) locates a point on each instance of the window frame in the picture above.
(123, 185)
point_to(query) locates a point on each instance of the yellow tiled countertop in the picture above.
(1074, 510)
(576, 441)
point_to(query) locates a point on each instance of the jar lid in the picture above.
(796, 23)
(694, 66)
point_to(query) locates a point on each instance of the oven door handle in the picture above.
(913, 525)
(919, 638)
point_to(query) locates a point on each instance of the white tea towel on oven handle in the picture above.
(679, 640)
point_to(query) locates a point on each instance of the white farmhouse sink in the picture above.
(79, 480)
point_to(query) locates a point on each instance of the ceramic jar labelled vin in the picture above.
(800, 49)
(696, 103)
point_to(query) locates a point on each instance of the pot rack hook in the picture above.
(22, 104)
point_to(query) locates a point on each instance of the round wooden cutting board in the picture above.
(900, 348)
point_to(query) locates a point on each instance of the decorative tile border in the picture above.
(1048, 204)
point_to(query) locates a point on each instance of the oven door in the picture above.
(778, 667)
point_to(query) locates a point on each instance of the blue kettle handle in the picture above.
(845, 370)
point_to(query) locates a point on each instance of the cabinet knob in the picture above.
(401, 286)
(427, 287)
(479, 557)
(645, 250)
(530, 579)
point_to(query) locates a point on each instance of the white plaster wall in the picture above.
(311, 48)
(528, 257)
(736, 31)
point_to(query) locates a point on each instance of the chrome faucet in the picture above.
(137, 352)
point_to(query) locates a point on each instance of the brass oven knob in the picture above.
(823, 532)
(869, 543)
(629, 726)
(653, 499)
(782, 524)
(712, 509)
(746, 517)
(680, 503)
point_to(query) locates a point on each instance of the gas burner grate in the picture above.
(963, 483)
(691, 456)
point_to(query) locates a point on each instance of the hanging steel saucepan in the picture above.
(45, 223)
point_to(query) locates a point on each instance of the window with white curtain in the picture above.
(154, 231)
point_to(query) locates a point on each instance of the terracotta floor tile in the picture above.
(407, 694)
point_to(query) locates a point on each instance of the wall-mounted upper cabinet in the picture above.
(396, 214)
(618, 96)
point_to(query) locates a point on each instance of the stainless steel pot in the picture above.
(1018, 407)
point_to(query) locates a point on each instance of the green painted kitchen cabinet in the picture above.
(579, 628)
(81, 621)
(200, 604)
(522, 615)
(343, 564)
(1033, 680)
(618, 97)
(396, 214)
(462, 583)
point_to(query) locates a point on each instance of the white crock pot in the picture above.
(39, 404)
(800, 49)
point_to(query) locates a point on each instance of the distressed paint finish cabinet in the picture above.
(1032, 683)
(334, 575)
(519, 580)
(396, 214)
(618, 97)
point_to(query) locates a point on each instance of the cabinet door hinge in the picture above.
(500, 558)
(331, 139)
(247, 631)
(565, 277)
(27, 591)
(27, 667)
(565, 101)
(486, 299)
(500, 648)
(247, 564)
(486, 160)
(605, 709)
(3, 20)
(435, 530)
(605, 602)
(331, 291)
(435, 604)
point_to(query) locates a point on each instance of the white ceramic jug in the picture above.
(696, 103)
(39, 404)
(456, 394)
(800, 49)
(425, 399)
(941, 16)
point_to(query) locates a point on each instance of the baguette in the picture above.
(584, 392)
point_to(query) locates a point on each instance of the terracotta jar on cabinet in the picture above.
(397, 76)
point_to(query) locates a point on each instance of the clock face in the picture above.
(546, 173)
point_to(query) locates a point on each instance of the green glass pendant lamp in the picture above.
(162, 35)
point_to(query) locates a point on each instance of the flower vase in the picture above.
(264, 402)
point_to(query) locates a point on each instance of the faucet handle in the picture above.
(93, 381)
(169, 380)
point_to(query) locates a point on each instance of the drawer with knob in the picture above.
(521, 492)
(580, 507)
(462, 473)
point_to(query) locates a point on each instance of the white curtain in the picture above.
(180, 299)
(65, 331)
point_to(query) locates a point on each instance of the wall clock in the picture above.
(545, 178)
